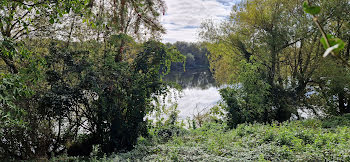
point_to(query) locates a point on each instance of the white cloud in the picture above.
(184, 17)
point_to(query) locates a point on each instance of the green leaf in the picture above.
(341, 44)
(37, 12)
(332, 42)
(313, 10)
(52, 20)
(323, 41)
(93, 25)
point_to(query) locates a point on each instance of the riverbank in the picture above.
(307, 140)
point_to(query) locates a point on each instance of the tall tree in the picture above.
(130, 17)
(18, 18)
(280, 37)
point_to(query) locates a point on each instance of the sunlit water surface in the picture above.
(199, 92)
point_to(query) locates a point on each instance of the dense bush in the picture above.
(23, 133)
(106, 99)
(250, 101)
(84, 99)
(334, 121)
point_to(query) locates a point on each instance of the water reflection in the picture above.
(199, 91)
(192, 78)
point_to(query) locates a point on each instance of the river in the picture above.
(199, 91)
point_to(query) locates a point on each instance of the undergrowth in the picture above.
(308, 140)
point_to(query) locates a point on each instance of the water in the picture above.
(199, 92)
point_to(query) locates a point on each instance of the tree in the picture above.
(248, 101)
(196, 55)
(18, 18)
(281, 38)
(73, 79)
(106, 99)
(129, 17)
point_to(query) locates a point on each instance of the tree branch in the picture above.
(327, 41)
(18, 20)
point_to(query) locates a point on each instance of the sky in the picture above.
(184, 17)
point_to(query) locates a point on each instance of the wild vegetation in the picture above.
(272, 49)
(308, 140)
(79, 77)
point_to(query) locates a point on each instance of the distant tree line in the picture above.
(196, 55)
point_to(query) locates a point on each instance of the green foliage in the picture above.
(12, 89)
(331, 96)
(112, 97)
(36, 8)
(332, 42)
(90, 97)
(289, 141)
(335, 121)
(313, 10)
(161, 61)
(248, 102)
(64, 96)
(285, 44)
(234, 116)
(261, 34)
(23, 135)
(165, 125)
(196, 56)
(104, 99)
